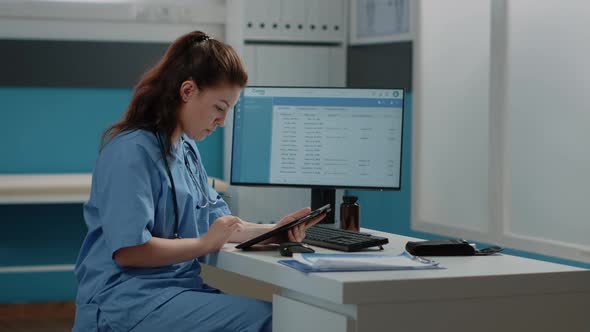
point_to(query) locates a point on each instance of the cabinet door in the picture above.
(290, 315)
(295, 65)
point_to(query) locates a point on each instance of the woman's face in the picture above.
(203, 110)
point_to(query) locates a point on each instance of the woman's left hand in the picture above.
(297, 233)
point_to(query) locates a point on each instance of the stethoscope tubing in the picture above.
(197, 184)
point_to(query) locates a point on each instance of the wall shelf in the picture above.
(55, 188)
(45, 188)
(37, 268)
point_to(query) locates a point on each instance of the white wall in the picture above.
(501, 123)
(451, 73)
(548, 80)
(148, 21)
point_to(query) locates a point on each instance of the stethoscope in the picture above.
(201, 186)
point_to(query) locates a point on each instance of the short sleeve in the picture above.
(126, 192)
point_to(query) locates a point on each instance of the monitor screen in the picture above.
(318, 137)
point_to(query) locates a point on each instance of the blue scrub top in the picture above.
(131, 201)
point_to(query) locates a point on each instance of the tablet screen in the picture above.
(275, 231)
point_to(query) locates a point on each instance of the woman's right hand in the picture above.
(221, 230)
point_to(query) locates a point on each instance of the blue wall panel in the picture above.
(58, 130)
(37, 287)
(55, 130)
(39, 234)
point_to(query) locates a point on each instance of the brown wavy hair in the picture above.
(156, 97)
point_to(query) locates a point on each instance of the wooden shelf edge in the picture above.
(45, 188)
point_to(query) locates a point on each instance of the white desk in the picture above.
(488, 293)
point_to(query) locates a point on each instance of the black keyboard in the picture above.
(339, 239)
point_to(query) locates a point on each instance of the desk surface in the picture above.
(474, 276)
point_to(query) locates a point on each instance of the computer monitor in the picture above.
(321, 138)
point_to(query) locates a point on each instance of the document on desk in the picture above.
(358, 262)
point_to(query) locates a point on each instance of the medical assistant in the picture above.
(131, 201)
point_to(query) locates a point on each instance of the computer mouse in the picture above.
(287, 249)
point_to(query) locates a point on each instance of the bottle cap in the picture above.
(349, 199)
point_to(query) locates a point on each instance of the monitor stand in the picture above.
(321, 197)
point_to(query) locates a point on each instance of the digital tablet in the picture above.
(276, 231)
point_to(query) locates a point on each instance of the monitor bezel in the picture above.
(315, 186)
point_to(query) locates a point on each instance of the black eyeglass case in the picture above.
(447, 248)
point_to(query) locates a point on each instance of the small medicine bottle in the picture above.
(350, 213)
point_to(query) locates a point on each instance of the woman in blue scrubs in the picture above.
(151, 219)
